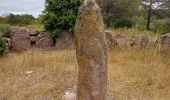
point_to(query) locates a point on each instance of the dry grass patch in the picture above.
(139, 75)
(133, 75)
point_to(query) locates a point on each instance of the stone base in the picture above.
(71, 93)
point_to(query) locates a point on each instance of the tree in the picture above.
(151, 5)
(60, 15)
(118, 10)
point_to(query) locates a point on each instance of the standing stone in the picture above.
(144, 42)
(91, 52)
(165, 43)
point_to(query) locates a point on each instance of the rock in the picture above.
(19, 39)
(44, 40)
(91, 53)
(121, 40)
(33, 32)
(111, 42)
(7, 40)
(144, 42)
(153, 42)
(33, 40)
(165, 43)
(65, 40)
(71, 93)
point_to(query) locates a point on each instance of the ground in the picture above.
(46, 75)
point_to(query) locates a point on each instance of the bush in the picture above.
(122, 23)
(5, 29)
(60, 15)
(161, 26)
(21, 20)
(2, 46)
(140, 22)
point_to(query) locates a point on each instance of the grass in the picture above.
(133, 75)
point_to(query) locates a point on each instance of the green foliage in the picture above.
(122, 23)
(2, 46)
(60, 15)
(118, 9)
(160, 26)
(140, 22)
(20, 20)
(5, 29)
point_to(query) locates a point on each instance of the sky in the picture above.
(33, 7)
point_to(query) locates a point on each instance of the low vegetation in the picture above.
(133, 74)
(4, 29)
(2, 46)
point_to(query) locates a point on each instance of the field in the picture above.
(46, 75)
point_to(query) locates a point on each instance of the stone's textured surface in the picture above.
(71, 93)
(20, 39)
(144, 42)
(92, 53)
(121, 40)
(33, 38)
(65, 40)
(111, 42)
(32, 32)
(165, 43)
(8, 45)
(44, 40)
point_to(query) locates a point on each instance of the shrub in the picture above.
(161, 26)
(5, 29)
(2, 46)
(140, 22)
(122, 23)
(60, 15)
(20, 20)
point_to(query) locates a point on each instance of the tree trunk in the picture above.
(149, 16)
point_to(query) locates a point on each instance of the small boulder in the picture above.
(121, 40)
(165, 43)
(33, 32)
(144, 42)
(33, 40)
(7, 40)
(19, 39)
(111, 42)
(44, 40)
